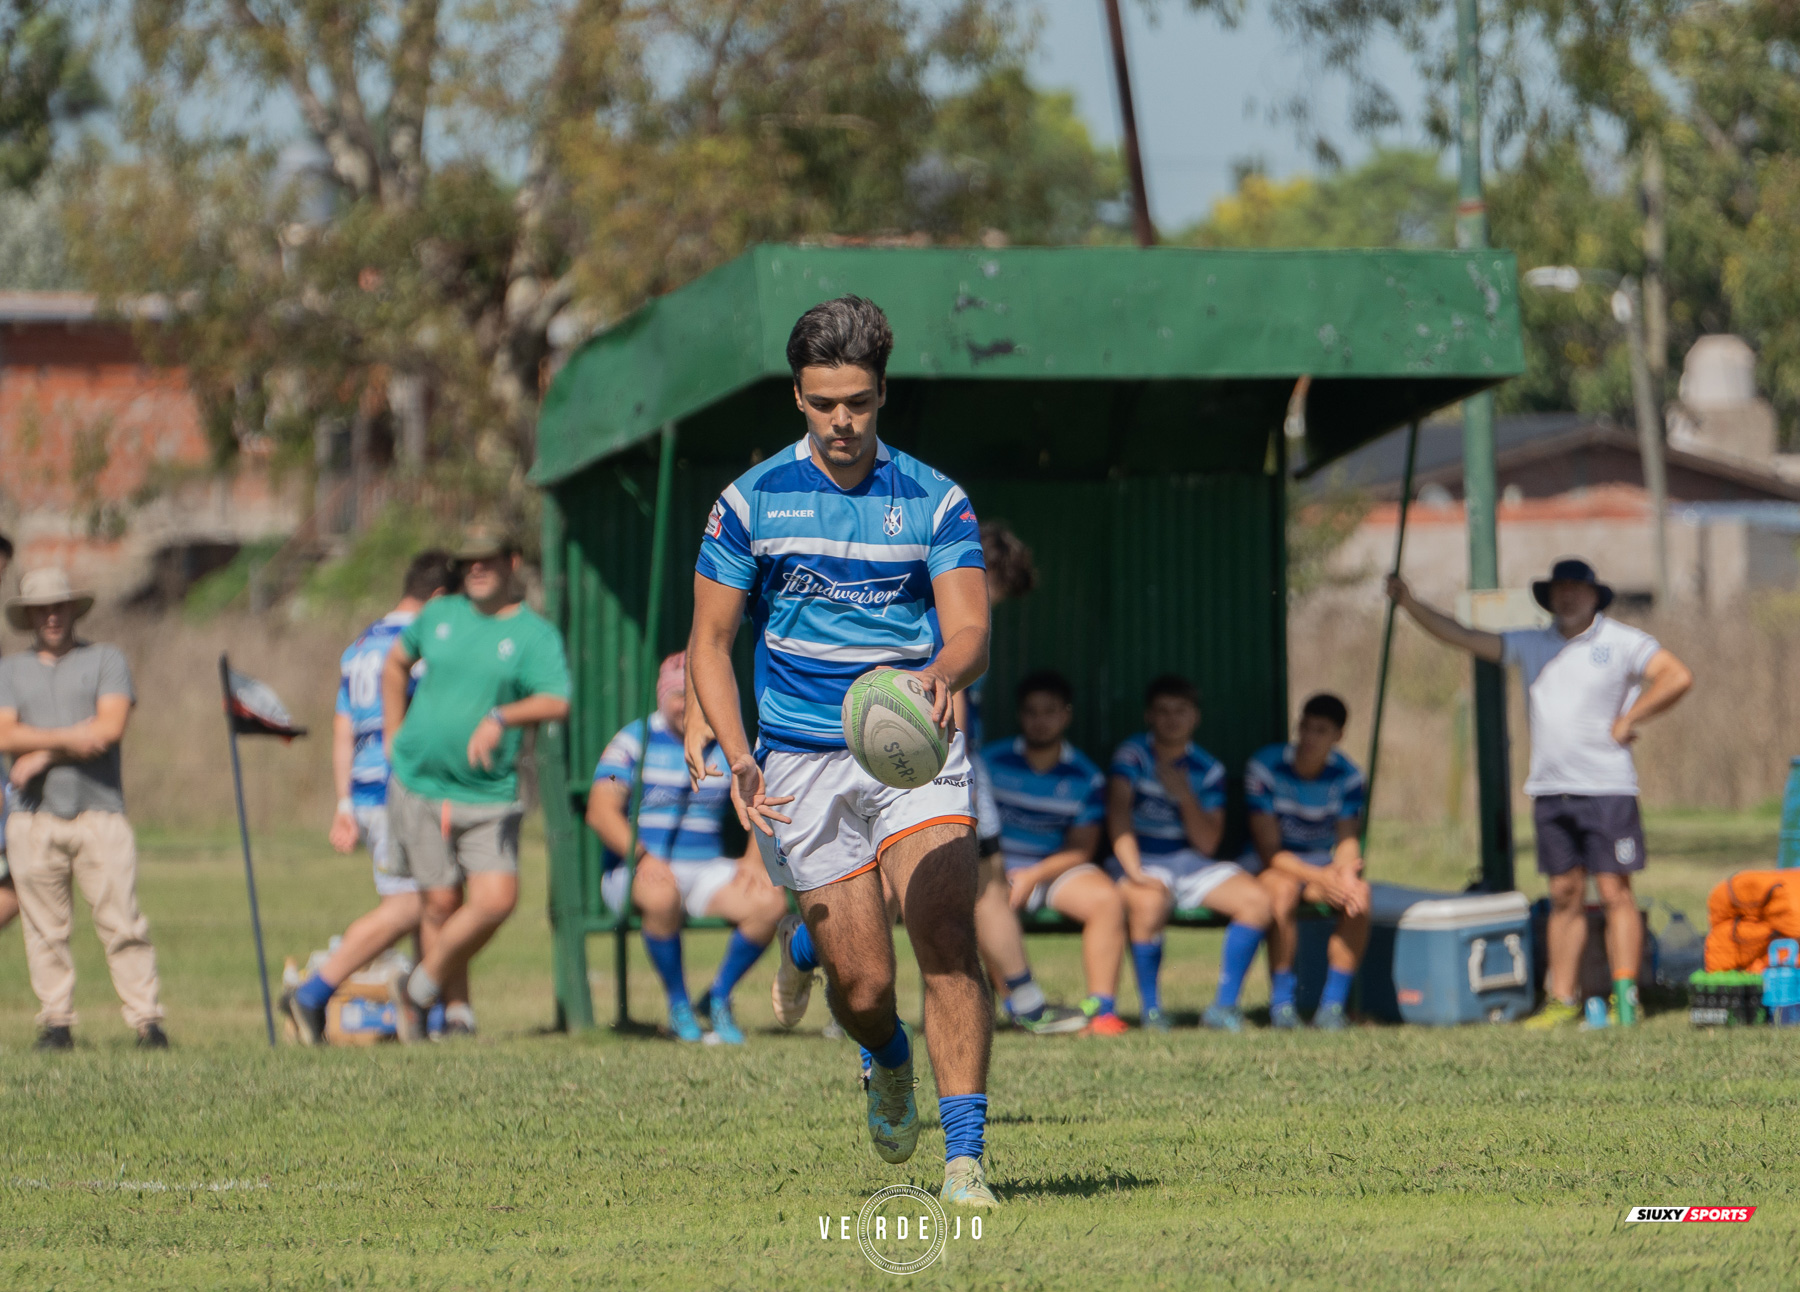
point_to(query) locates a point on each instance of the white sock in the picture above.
(423, 988)
(460, 1012)
(1027, 1000)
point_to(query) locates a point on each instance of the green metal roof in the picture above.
(1386, 335)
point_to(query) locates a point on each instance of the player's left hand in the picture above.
(1623, 729)
(487, 738)
(343, 831)
(1023, 881)
(942, 691)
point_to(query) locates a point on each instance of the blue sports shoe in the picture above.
(725, 1030)
(893, 1112)
(1222, 1018)
(683, 1023)
(1331, 1018)
(1155, 1021)
(1284, 1016)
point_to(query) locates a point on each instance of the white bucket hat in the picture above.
(45, 588)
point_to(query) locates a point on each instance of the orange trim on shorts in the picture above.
(954, 819)
(863, 869)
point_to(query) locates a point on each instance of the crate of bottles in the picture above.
(1726, 999)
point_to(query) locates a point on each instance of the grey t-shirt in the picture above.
(62, 694)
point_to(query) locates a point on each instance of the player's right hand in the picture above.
(757, 804)
(343, 831)
(1397, 590)
(696, 736)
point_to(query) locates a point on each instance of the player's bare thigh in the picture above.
(852, 931)
(934, 872)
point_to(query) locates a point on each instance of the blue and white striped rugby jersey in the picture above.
(1155, 819)
(838, 581)
(359, 699)
(1037, 809)
(676, 821)
(1308, 811)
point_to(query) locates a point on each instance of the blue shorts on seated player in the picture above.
(681, 870)
(1052, 806)
(1306, 806)
(1165, 814)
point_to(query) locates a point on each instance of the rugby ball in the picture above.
(888, 729)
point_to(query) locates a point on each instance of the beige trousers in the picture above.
(98, 851)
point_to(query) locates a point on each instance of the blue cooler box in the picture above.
(1434, 958)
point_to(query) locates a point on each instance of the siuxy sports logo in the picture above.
(715, 520)
(877, 593)
(1689, 1215)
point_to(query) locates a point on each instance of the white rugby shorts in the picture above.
(1188, 875)
(698, 881)
(1044, 894)
(843, 817)
(372, 831)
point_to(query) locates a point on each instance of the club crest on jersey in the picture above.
(1600, 655)
(891, 521)
(873, 593)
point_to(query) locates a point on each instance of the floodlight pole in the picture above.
(647, 668)
(1134, 161)
(1480, 486)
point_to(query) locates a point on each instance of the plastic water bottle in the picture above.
(1789, 854)
(1596, 1012)
(1681, 951)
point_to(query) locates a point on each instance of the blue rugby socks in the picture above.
(1147, 957)
(1024, 998)
(1241, 943)
(800, 950)
(965, 1125)
(1337, 988)
(665, 954)
(314, 992)
(740, 954)
(1283, 983)
(894, 1051)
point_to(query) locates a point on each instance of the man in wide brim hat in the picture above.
(45, 588)
(484, 541)
(1590, 683)
(1571, 570)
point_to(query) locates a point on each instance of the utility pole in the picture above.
(1656, 254)
(1134, 161)
(1479, 484)
(1629, 308)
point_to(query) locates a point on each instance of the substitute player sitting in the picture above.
(1306, 806)
(679, 866)
(1165, 811)
(837, 550)
(1052, 803)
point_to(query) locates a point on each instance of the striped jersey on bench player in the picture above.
(839, 580)
(1308, 811)
(1155, 818)
(676, 822)
(1038, 809)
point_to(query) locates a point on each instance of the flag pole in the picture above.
(1387, 635)
(237, 778)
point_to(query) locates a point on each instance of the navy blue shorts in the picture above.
(1599, 833)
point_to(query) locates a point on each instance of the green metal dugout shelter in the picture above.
(1122, 408)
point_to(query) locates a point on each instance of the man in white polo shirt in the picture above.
(1590, 682)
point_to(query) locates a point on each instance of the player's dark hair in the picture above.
(6, 547)
(847, 332)
(1010, 569)
(1327, 706)
(1046, 681)
(1171, 684)
(431, 571)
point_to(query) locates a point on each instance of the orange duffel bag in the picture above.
(1747, 911)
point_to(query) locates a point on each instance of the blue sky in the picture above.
(1192, 81)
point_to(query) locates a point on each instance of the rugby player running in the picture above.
(839, 547)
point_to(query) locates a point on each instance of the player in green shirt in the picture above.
(492, 667)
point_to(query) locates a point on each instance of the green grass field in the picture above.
(1384, 1157)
